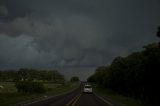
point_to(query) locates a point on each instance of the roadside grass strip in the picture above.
(10, 96)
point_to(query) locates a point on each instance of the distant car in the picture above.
(87, 88)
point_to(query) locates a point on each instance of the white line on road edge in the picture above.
(105, 100)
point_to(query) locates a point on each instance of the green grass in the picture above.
(8, 87)
(54, 89)
(120, 99)
(9, 94)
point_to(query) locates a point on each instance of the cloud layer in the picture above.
(73, 33)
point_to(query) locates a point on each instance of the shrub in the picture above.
(30, 87)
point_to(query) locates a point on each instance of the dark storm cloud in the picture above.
(73, 33)
(3, 11)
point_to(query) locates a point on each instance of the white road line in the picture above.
(105, 101)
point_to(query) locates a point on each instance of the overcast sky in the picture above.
(74, 36)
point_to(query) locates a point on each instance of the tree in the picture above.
(23, 74)
(136, 75)
(30, 87)
(158, 32)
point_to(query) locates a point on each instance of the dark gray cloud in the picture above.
(3, 11)
(74, 34)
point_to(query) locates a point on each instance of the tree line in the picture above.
(25, 74)
(136, 75)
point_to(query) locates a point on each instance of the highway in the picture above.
(72, 98)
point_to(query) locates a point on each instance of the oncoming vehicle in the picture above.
(87, 88)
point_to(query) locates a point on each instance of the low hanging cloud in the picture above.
(70, 44)
(3, 11)
(21, 51)
(73, 34)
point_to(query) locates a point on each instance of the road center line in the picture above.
(76, 99)
(70, 102)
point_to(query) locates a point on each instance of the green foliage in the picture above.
(24, 74)
(135, 75)
(158, 32)
(99, 76)
(30, 87)
(9, 95)
(74, 79)
(120, 99)
(8, 75)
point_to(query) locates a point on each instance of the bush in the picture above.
(30, 87)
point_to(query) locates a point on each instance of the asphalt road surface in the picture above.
(73, 98)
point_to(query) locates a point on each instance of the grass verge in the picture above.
(10, 96)
(117, 98)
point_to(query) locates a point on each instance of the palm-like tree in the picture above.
(158, 32)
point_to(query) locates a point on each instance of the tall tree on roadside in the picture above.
(158, 32)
